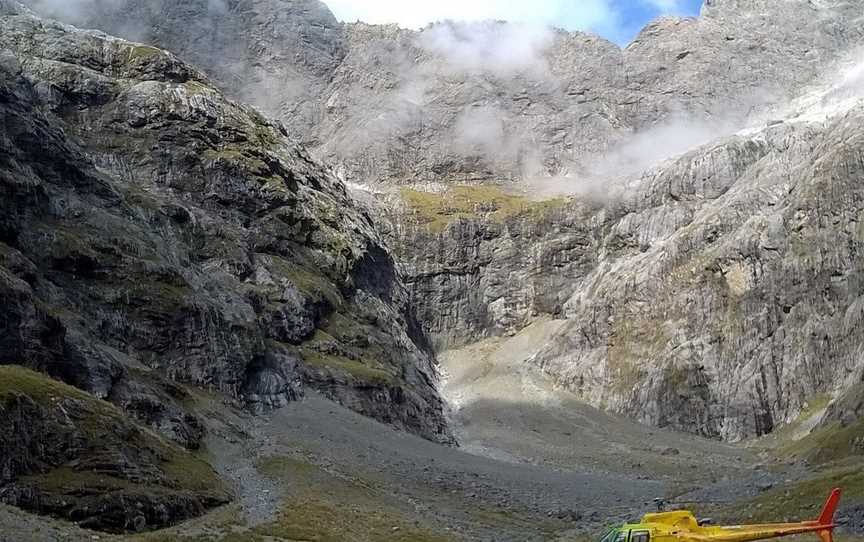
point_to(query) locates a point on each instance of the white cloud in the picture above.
(664, 5)
(584, 14)
(503, 50)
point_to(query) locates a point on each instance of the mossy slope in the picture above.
(438, 210)
(324, 507)
(70, 455)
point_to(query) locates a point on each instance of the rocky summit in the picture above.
(271, 270)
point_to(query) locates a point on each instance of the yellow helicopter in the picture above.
(682, 526)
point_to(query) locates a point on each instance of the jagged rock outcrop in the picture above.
(153, 231)
(481, 262)
(67, 454)
(277, 54)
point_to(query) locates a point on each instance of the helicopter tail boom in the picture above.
(823, 527)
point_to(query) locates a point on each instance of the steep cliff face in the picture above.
(738, 298)
(153, 230)
(482, 261)
(718, 293)
(277, 54)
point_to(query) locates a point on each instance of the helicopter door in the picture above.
(640, 536)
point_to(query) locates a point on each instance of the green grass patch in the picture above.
(16, 380)
(802, 500)
(341, 326)
(284, 467)
(191, 473)
(100, 417)
(437, 210)
(314, 284)
(827, 444)
(364, 370)
(196, 88)
(243, 158)
(323, 520)
(137, 52)
(325, 507)
(69, 481)
(786, 438)
(224, 524)
(804, 439)
(518, 523)
(233, 536)
(106, 430)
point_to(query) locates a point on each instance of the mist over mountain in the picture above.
(236, 232)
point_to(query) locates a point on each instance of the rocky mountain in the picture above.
(153, 231)
(716, 293)
(701, 293)
(459, 102)
(488, 101)
(669, 231)
(279, 55)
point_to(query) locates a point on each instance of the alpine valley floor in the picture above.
(535, 464)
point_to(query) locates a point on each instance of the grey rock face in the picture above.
(413, 106)
(153, 230)
(67, 454)
(487, 275)
(727, 323)
(706, 294)
(459, 102)
(277, 54)
(717, 295)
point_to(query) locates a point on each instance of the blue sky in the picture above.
(617, 20)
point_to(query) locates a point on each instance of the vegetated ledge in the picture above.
(69, 455)
(437, 210)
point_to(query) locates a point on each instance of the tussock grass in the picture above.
(324, 507)
(98, 421)
(438, 210)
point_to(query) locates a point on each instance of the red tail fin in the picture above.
(827, 516)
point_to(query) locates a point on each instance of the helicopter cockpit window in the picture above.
(640, 536)
(610, 536)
